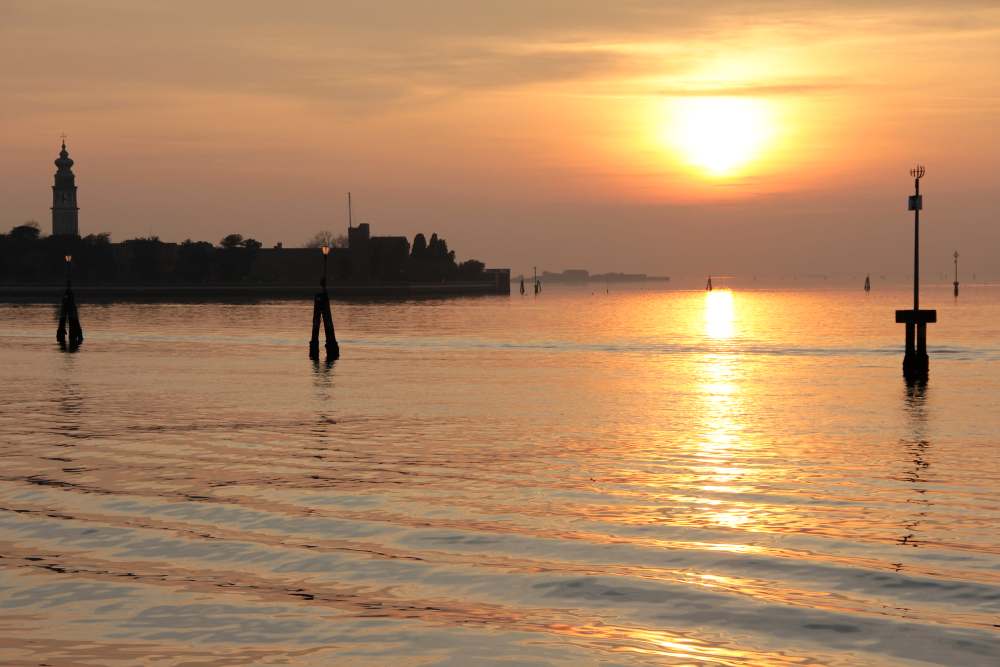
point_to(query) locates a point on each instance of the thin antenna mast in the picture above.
(350, 218)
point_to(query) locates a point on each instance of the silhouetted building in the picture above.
(65, 212)
(583, 276)
(358, 241)
(388, 256)
(501, 279)
(569, 276)
(367, 264)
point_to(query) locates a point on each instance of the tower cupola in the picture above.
(64, 161)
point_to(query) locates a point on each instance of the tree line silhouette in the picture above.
(26, 256)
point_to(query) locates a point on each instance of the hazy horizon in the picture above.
(526, 136)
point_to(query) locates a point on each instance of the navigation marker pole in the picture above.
(956, 275)
(916, 364)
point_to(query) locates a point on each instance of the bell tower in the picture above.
(65, 212)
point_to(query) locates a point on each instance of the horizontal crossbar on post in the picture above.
(916, 316)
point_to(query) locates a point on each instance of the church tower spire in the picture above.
(65, 212)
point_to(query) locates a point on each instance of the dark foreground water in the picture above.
(634, 478)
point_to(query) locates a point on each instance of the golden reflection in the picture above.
(723, 439)
(735, 519)
(721, 431)
(719, 314)
(665, 644)
(688, 650)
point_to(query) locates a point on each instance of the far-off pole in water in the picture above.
(916, 364)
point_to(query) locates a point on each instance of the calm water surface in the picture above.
(634, 478)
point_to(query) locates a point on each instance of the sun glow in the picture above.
(719, 136)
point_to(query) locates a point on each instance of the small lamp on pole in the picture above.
(69, 268)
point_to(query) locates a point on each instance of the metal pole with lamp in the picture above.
(916, 364)
(321, 311)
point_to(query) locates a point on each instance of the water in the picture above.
(635, 478)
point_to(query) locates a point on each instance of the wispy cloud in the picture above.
(709, 89)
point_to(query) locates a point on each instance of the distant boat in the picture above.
(708, 286)
(868, 284)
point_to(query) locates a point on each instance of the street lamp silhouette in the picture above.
(916, 364)
(68, 316)
(326, 251)
(321, 313)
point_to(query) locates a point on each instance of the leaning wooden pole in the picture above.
(314, 341)
(61, 331)
(332, 348)
(75, 330)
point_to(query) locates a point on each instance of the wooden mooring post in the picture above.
(68, 315)
(321, 311)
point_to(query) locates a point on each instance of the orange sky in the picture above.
(526, 133)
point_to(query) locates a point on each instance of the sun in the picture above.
(719, 136)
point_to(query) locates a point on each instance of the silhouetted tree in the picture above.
(94, 259)
(431, 261)
(471, 269)
(419, 247)
(251, 244)
(194, 260)
(145, 259)
(29, 231)
(231, 241)
(104, 238)
(327, 238)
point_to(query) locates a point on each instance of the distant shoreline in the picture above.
(603, 279)
(52, 292)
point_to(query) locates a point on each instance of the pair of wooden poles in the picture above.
(321, 311)
(68, 316)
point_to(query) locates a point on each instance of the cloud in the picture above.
(369, 55)
(762, 90)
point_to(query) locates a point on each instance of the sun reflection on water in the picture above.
(719, 314)
(723, 436)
